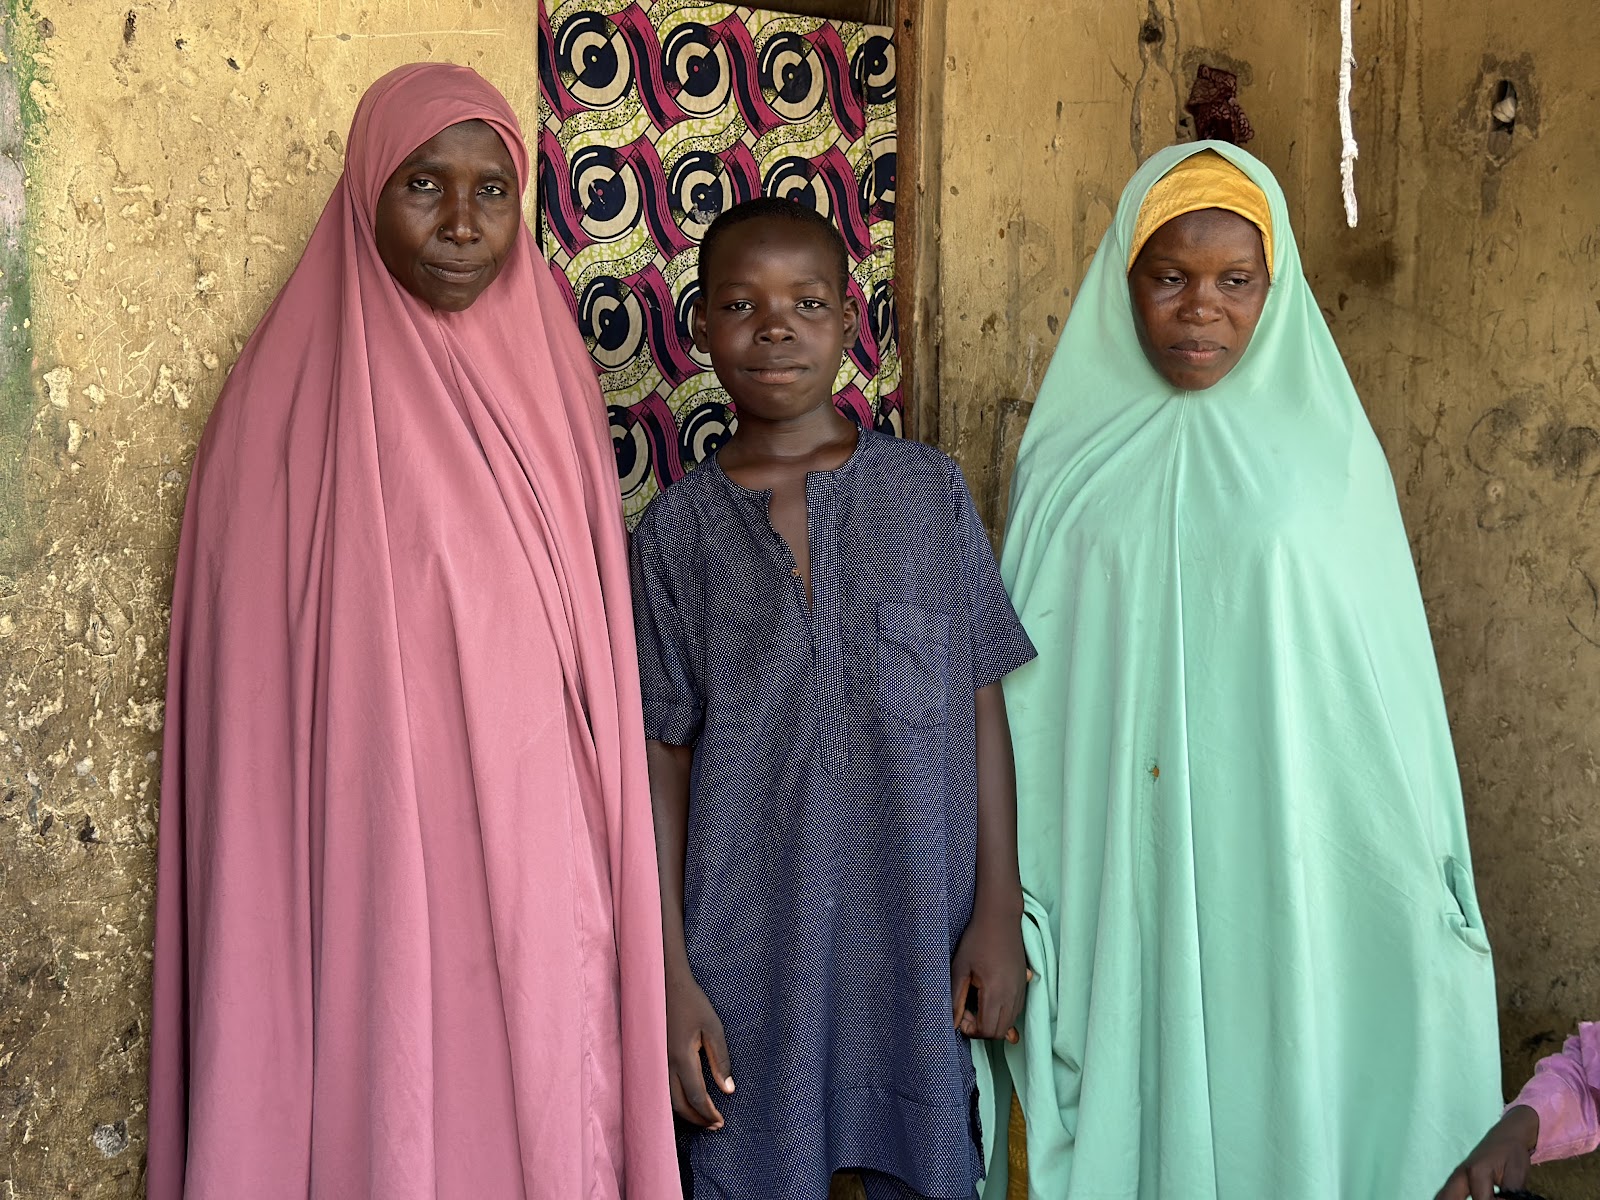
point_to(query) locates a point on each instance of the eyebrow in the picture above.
(432, 166)
(1238, 262)
(813, 281)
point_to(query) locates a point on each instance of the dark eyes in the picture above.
(427, 186)
(1227, 281)
(809, 304)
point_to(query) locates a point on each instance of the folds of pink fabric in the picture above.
(408, 925)
(1565, 1092)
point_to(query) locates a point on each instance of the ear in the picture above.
(852, 319)
(697, 324)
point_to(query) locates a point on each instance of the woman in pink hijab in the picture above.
(408, 938)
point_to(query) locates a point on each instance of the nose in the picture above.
(458, 220)
(1200, 303)
(776, 325)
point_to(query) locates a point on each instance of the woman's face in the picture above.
(1198, 287)
(449, 215)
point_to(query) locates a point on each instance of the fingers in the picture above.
(1007, 1013)
(689, 1109)
(995, 1015)
(717, 1058)
(989, 1006)
(960, 986)
(1455, 1188)
(1012, 1035)
(1514, 1173)
(690, 1100)
(1481, 1178)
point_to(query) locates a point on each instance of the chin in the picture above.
(1186, 382)
(450, 303)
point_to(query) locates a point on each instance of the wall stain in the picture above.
(1527, 431)
(1153, 115)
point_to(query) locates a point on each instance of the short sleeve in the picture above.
(1565, 1092)
(999, 643)
(668, 630)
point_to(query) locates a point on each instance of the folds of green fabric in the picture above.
(1249, 901)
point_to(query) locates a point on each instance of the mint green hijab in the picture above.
(1249, 901)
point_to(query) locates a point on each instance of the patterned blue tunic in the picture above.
(833, 809)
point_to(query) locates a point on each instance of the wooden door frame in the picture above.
(919, 48)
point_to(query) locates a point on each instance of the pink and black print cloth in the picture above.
(654, 119)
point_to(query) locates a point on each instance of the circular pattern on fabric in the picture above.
(791, 77)
(696, 68)
(612, 322)
(701, 188)
(878, 180)
(703, 431)
(631, 442)
(655, 119)
(873, 68)
(881, 316)
(799, 180)
(606, 189)
(593, 59)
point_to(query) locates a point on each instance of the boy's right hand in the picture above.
(1501, 1158)
(692, 1029)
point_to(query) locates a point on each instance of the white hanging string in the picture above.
(1350, 151)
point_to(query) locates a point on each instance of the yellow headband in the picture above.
(1204, 180)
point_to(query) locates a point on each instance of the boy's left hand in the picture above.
(990, 965)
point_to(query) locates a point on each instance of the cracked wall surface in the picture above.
(162, 164)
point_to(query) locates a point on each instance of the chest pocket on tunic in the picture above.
(913, 663)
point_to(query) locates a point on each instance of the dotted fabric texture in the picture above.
(833, 811)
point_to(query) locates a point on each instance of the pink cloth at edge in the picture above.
(1565, 1092)
(408, 939)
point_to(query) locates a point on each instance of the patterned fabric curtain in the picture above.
(656, 116)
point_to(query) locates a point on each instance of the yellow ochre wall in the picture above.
(161, 165)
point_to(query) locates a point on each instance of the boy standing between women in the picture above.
(822, 630)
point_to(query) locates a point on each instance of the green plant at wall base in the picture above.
(20, 120)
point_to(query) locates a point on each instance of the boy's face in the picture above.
(773, 319)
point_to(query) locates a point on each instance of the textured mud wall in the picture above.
(1464, 304)
(170, 160)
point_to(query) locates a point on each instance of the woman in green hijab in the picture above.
(1262, 974)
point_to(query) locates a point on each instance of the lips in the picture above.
(1197, 350)
(776, 372)
(455, 272)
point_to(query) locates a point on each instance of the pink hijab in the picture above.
(408, 937)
